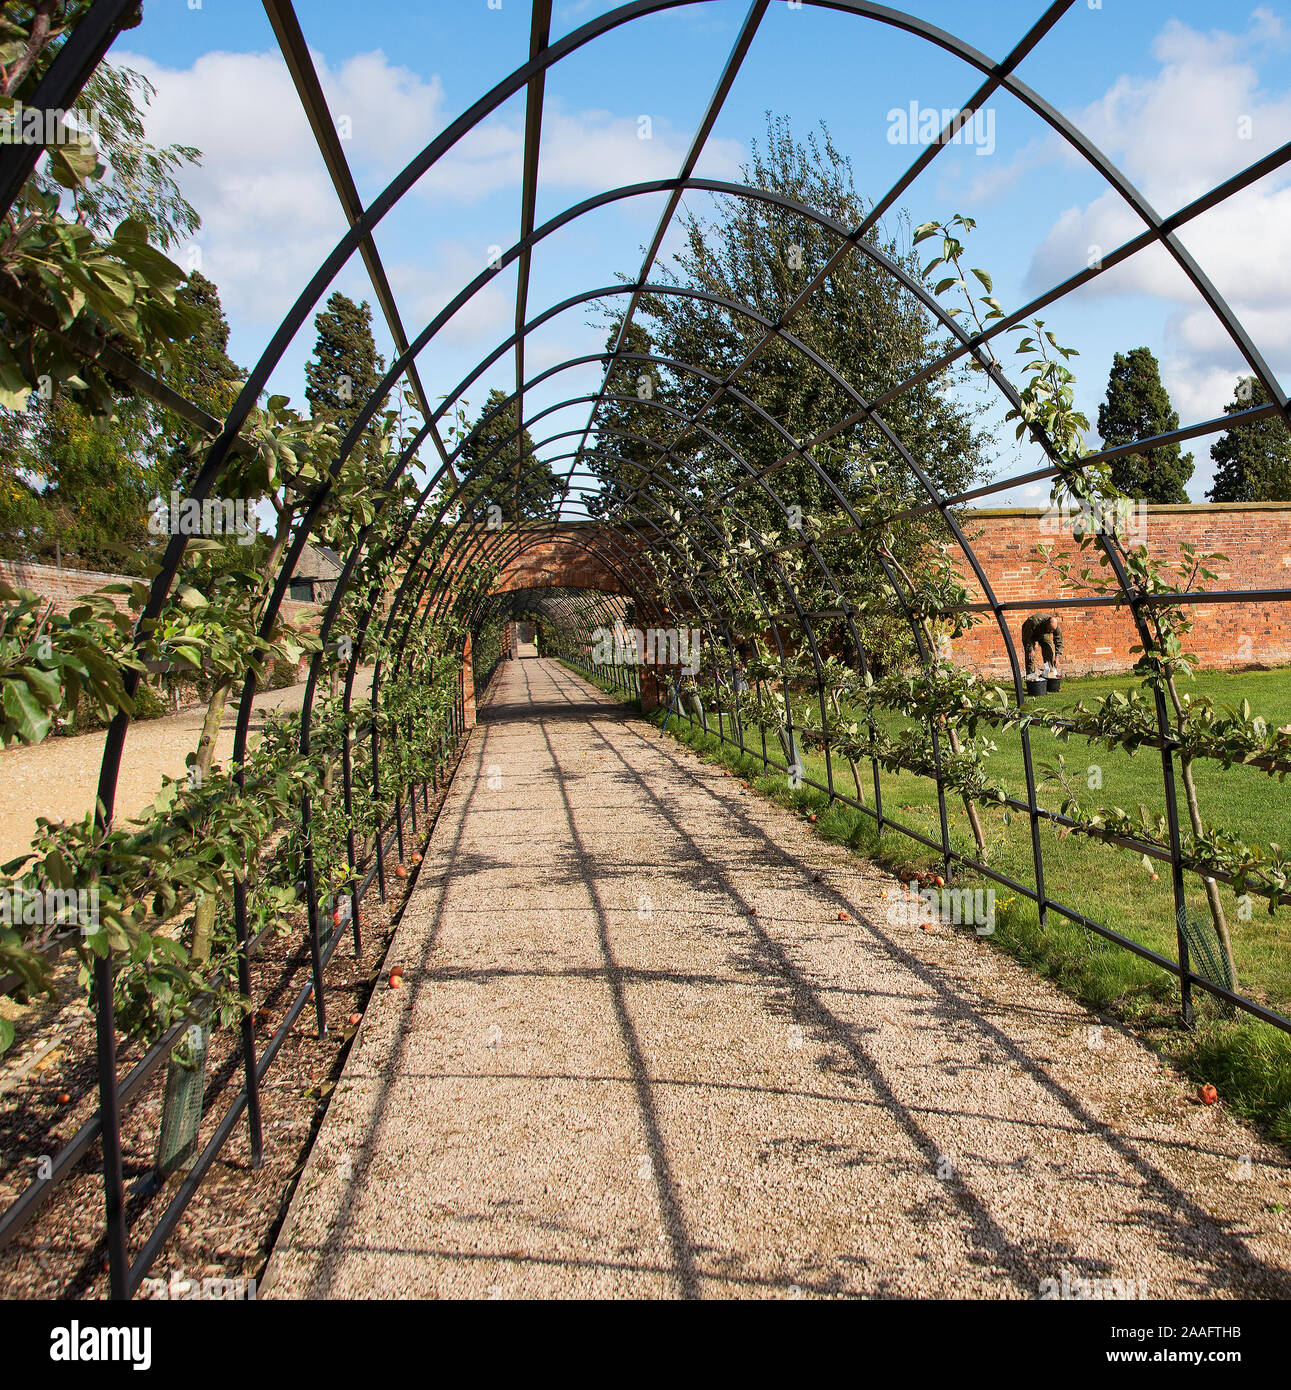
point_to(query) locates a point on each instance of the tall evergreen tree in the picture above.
(1253, 461)
(345, 368)
(202, 370)
(860, 321)
(620, 463)
(493, 447)
(1138, 406)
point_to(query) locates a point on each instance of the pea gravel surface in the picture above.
(657, 1039)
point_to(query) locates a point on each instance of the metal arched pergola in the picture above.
(661, 535)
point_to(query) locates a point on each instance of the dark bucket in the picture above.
(1054, 684)
(1036, 686)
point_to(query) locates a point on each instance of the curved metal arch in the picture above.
(919, 291)
(547, 56)
(904, 22)
(401, 364)
(998, 75)
(948, 321)
(647, 545)
(474, 476)
(643, 552)
(658, 478)
(789, 588)
(768, 554)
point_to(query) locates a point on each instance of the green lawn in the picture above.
(1249, 1061)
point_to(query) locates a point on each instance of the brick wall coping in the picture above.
(1153, 507)
(18, 568)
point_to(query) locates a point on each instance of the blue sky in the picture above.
(1179, 95)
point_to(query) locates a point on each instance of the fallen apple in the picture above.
(1208, 1094)
(844, 916)
(396, 981)
(64, 1098)
(355, 1020)
(400, 871)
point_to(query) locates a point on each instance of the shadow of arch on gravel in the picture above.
(1239, 1268)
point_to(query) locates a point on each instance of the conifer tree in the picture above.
(345, 368)
(1253, 461)
(1138, 407)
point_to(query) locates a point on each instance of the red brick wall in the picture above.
(64, 586)
(1256, 538)
(558, 563)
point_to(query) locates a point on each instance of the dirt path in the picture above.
(59, 778)
(638, 1054)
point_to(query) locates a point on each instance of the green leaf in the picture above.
(73, 163)
(30, 721)
(190, 597)
(46, 684)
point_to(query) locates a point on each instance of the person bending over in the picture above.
(1041, 630)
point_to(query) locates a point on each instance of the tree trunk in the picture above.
(181, 1113)
(182, 1108)
(1213, 899)
(970, 809)
(856, 776)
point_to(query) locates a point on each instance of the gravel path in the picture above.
(59, 778)
(638, 1054)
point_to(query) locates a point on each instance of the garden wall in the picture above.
(1256, 538)
(66, 586)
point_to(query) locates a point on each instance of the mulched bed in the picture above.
(228, 1228)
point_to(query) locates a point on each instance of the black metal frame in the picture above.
(644, 547)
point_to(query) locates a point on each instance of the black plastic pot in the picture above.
(1037, 686)
(1053, 684)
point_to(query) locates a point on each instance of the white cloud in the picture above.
(268, 210)
(423, 288)
(1200, 119)
(583, 151)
